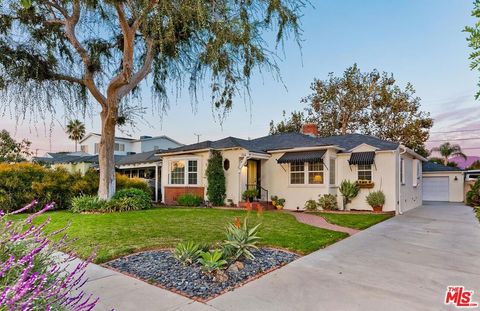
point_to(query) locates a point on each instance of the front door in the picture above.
(253, 175)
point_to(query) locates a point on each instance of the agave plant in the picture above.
(187, 253)
(240, 240)
(349, 190)
(212, 261)
(32, 274)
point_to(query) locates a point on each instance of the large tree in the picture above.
(474, 40)
(76, 131)
(363, 102)
(12, 150)
(77, 51)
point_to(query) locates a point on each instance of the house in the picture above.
(442, 183)
(126, 146)
(298, 167)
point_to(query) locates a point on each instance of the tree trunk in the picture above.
(75, 146)
(106, 157)
(445, 161)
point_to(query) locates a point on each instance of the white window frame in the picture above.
(364, 170)
(119, 147)
(416, 173)
(306, 174)
(333, 170)
(186, 172)
(84, 148)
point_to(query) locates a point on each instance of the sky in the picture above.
(420, 42)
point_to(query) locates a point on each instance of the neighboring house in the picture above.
(442, 183)
(298, 167)
(74, 162)
(145, 165)
(126, 146)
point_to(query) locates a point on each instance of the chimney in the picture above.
(310, 129)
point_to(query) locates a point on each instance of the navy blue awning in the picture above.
(363, 158)
(302, 156)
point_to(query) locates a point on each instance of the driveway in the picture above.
(404, 263)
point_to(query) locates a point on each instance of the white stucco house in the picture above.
(126, 146)
(298, 167)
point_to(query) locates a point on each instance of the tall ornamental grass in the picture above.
(36, 268)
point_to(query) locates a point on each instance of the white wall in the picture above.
(455, 187)
(410, 195)
(91, 140)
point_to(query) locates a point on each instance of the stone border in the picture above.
(194, 298)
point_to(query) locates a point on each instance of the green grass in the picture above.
(119, 234)
(355, 221)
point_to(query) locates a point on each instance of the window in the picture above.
(315, 173)
(226, 164)
(402, 171)
(364, 172)
(306, 173)
(96, 148)
(84, 148)
(332, 171)
(119, 147)
(416, 172)
(184, 172)
(141, 173)
(297, 174)
(177, 173)
(192, 172)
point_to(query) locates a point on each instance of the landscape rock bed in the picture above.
(161, 268)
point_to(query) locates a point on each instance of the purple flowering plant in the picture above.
(37, 269)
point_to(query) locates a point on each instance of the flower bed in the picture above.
(162, 269)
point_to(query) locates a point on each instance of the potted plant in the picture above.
(274, 199)
(249, 195)
(349, 190)
(280, 203)
(376, 200)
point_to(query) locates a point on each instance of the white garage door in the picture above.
(435, 189)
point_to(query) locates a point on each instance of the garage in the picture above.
(435, 188)
(442, 183)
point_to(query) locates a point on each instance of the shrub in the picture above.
(311, 205)
(125, 204)
(189, 199)
(349, 190)
(249, 194)
(328, 202)
(241, 239)
(125, 182)
(376, 198)
(187, 253)
(216, 179)
(87, 203)
(473, 195)
(212, 261)
(32, 275)
(56, 186)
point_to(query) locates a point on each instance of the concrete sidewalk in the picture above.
(404, 263)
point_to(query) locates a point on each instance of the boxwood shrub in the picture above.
(189, 199)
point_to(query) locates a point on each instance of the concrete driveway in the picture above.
(404, 263)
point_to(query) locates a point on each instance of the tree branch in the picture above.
(67, 78)
(141, 73)
(144, 14)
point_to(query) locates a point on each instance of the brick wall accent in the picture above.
(173, 192)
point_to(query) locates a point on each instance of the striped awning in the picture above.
(302, 156)
(364, 158)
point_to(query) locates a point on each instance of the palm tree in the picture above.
(75, 131)
(448, 150)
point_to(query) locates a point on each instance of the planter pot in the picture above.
(377, 209)
(279, 206)
(365, 186)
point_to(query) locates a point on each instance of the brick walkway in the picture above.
(320, 222)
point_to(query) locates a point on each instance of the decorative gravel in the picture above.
(160, 267)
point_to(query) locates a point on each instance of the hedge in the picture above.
(21, 183)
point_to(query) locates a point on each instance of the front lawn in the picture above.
(119, 234)
(355, 221)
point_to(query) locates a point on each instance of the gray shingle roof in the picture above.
(288, 141)
(435, 167)
(58, 158)
(144, 157)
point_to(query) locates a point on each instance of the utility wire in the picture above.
(452, 139)
(456, 131)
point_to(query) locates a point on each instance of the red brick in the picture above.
(173, 192)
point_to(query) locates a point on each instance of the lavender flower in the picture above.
(32, 274)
